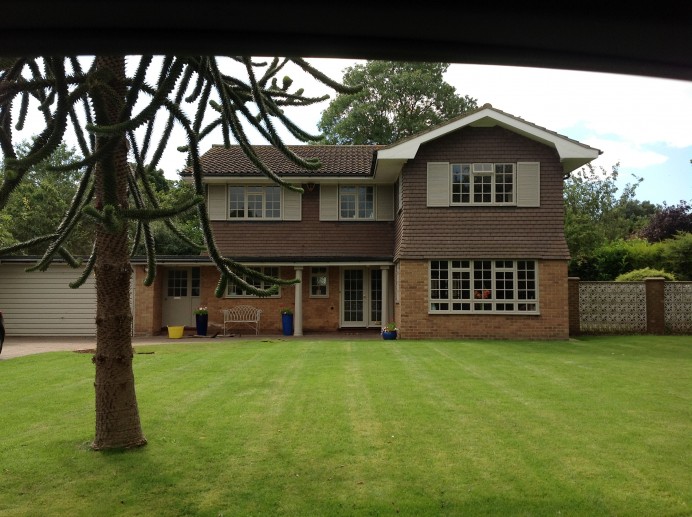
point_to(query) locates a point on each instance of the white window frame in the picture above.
(481, 287)
(357, 209)
(260, 284)
(480, 171)
(255, 191)
(315, 274)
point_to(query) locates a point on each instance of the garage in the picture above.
(42, 303)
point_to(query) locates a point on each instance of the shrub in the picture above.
(678, 255)
(669, 221)
(608, 261)
(640, 274)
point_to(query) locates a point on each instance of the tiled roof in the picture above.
(339, 160)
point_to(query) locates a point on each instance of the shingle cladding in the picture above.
(308, 239)
(336, 160)
(482, 231)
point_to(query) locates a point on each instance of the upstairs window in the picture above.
(254, 202)
(483, 184)
(356, 202)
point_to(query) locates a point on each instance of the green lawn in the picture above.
(589, 427)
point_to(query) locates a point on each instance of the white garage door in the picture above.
(42, 303)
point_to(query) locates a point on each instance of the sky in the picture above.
(642, 123)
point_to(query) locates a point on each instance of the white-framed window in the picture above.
(356, 202)
(483, 184)
(236, 291)
(254, 202)
(319, 282)
(482, 286)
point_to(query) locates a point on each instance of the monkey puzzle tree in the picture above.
(112, 114)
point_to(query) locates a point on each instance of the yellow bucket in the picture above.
(175, 332)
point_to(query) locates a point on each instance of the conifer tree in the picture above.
(100, 104)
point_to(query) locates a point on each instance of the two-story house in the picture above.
(455, 232)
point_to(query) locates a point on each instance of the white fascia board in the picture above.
(566, 149)
(260, 180)
(407, 150)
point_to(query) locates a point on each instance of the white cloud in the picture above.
(640, 110)
(628, 155)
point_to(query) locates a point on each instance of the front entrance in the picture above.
(361, 297)
(180, 296)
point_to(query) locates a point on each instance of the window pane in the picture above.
(318, 281)
(366, 203)
(504, 183)
(236, 202)
(439, 275)
(347, 201)
(273, 203)
(177, 283)
(461, 177)
(236, 291)
(255, 199)
(482, 189)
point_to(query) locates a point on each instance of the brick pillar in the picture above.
(655, 316)
(573, 305)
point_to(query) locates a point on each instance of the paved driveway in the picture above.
(20, 346)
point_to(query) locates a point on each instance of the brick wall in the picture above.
(415, 322)
(147, 306)
(319, 314)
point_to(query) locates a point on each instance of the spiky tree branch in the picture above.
(71, 97)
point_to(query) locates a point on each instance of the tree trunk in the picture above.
(117, 414)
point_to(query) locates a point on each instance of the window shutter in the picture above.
(216, 202)
(528, 184)
(292, 205)
(438, 184)
(385, 203)
(329, 202)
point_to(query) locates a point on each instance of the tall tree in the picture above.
(597, 213)
(173, 193)
(398, 99)
(40, 201)
(668, 222)
(101, 105)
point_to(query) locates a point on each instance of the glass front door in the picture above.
(361, 297)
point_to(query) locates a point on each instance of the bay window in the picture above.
(476, 286)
